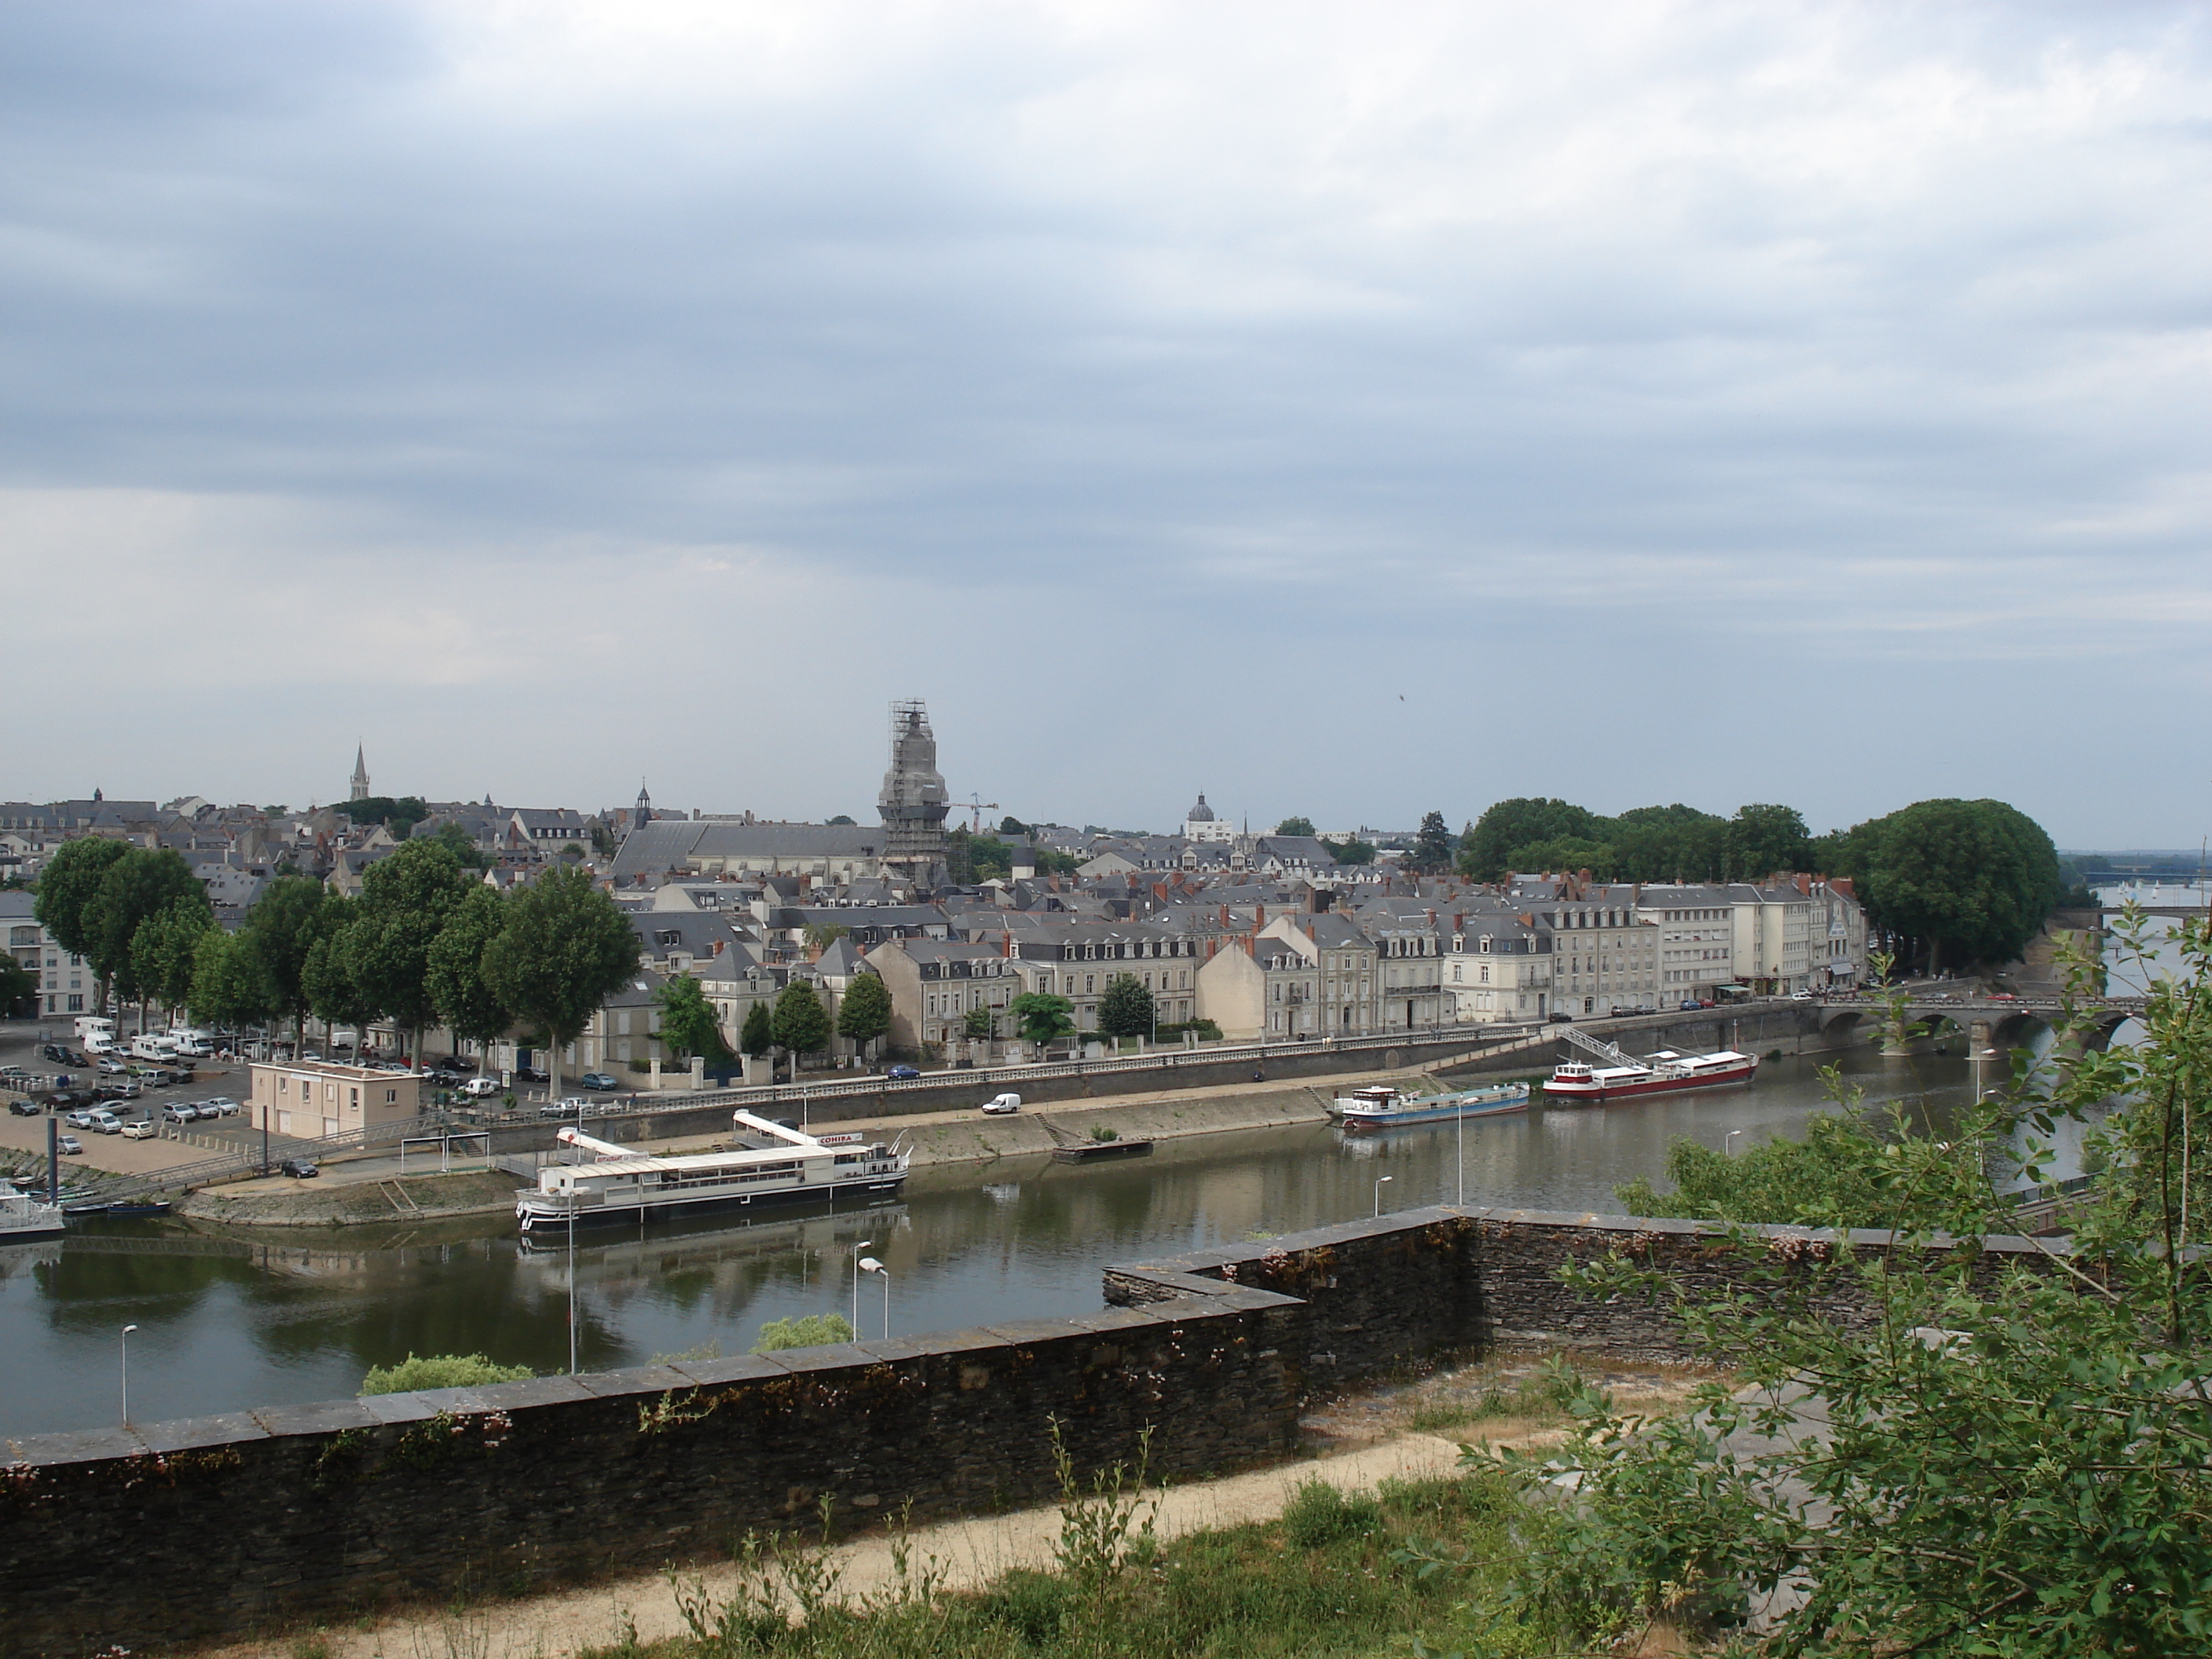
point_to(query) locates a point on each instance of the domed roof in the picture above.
(1201, 813)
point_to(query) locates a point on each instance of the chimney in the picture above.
(1309, 930)
(1225, 915)
(1259, 917)
(718, 944)
(1805, 886)
(1432, 916)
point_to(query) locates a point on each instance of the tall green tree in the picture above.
(280, 930)
(1042, 1016)
(67, 887)
(137, 887)
(1667, 843)
(757, 1035)
(19, 987)
(1352, 850)
(1975, 880)
(405, 900)
(1126, 1009)
(229, 988)
(1434, 845)
(688, 1025)
(460, 990)
(1519, 822)
(1295, 826)
(801, 1024)
(564, 949)
(1766, 840)
(165, 951)
(334, 995)
(1568, 853)
(864, 1013)
(1010, 825)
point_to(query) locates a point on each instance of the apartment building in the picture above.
(1498, 971)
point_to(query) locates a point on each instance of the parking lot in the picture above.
(20, 1044)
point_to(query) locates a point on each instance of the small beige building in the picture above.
(310, 1098)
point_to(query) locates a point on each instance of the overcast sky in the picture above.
(1347, 410)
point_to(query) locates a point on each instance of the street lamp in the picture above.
(1981, 1054)
(870, 1265)
(127, 1330)
(572, 1248)
(858, 1263)
(1727, 1138)
(1379, 1180)
(1459, 1122)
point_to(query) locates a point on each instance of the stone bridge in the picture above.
(1987, 1022)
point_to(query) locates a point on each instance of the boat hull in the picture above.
(1736, 1076)
(30, 1231)
(536, 1216)
(1358, 1120)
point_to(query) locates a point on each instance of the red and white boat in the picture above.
(1621, 1077)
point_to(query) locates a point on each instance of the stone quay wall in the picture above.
(159, 1534)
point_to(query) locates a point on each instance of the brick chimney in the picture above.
(1259, 917)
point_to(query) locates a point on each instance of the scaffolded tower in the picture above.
(914, 802)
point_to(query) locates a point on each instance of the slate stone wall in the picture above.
(168, 1532)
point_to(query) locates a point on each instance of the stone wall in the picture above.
(167, 1532)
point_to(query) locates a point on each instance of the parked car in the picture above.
(24, 1108)
(62, 1099)
(479, 1088)
(597, 1081)
(532, 1074)
(139, 1128)
(298, 1168)
(902, 1072)
(109, 1068)
(70, 1146)
(180, 1113)
(570, 1106)
(1002, 1105)
(80, 1119)
(441, 1078)
(1562, 1019)
(105, 1122)
(219, 1106)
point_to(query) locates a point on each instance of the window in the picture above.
(391, 1097)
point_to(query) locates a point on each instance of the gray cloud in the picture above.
(1685, 405)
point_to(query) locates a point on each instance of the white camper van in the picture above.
(152, 1045)
(92, 1025)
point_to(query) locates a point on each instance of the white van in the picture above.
(92, 1025)
(184, 1039)
(152, 1045)
(1000, 1105)
(100, 1045)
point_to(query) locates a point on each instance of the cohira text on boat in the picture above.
(1380, 1106)
(771, 1163)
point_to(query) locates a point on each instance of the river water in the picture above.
(231, 1319)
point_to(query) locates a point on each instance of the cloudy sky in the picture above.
(1348, 410)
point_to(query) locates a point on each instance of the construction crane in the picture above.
(981, 806)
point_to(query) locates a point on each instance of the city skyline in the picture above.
(1356, 415)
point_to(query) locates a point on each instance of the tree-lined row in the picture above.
(1965, 880)
(427, 943)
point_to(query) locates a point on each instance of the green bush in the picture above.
(440, 1371)
(1319, 1515)
(803, 1331)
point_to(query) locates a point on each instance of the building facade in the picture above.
(312, 1098)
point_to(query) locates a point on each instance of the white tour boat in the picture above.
(620, 1184)
(23, 1217)
(1665, 1072)
(1382, 1107)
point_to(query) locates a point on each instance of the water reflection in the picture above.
(233, 1319)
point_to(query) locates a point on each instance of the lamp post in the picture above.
(870, 1265)
(1459, 1122)
(1379, 1180)
(1981, 1054)
(1727, 1138)
(127, 1330)
(572, 1248)
(859, 1262)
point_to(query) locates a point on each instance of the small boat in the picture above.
(85, 1206)
(128, 1206)
(1380, 1106)
(791, 1166)
(23, 1217)
(1096, 1152)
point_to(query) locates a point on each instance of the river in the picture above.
(233, 1319)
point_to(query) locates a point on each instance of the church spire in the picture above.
(360, 772)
